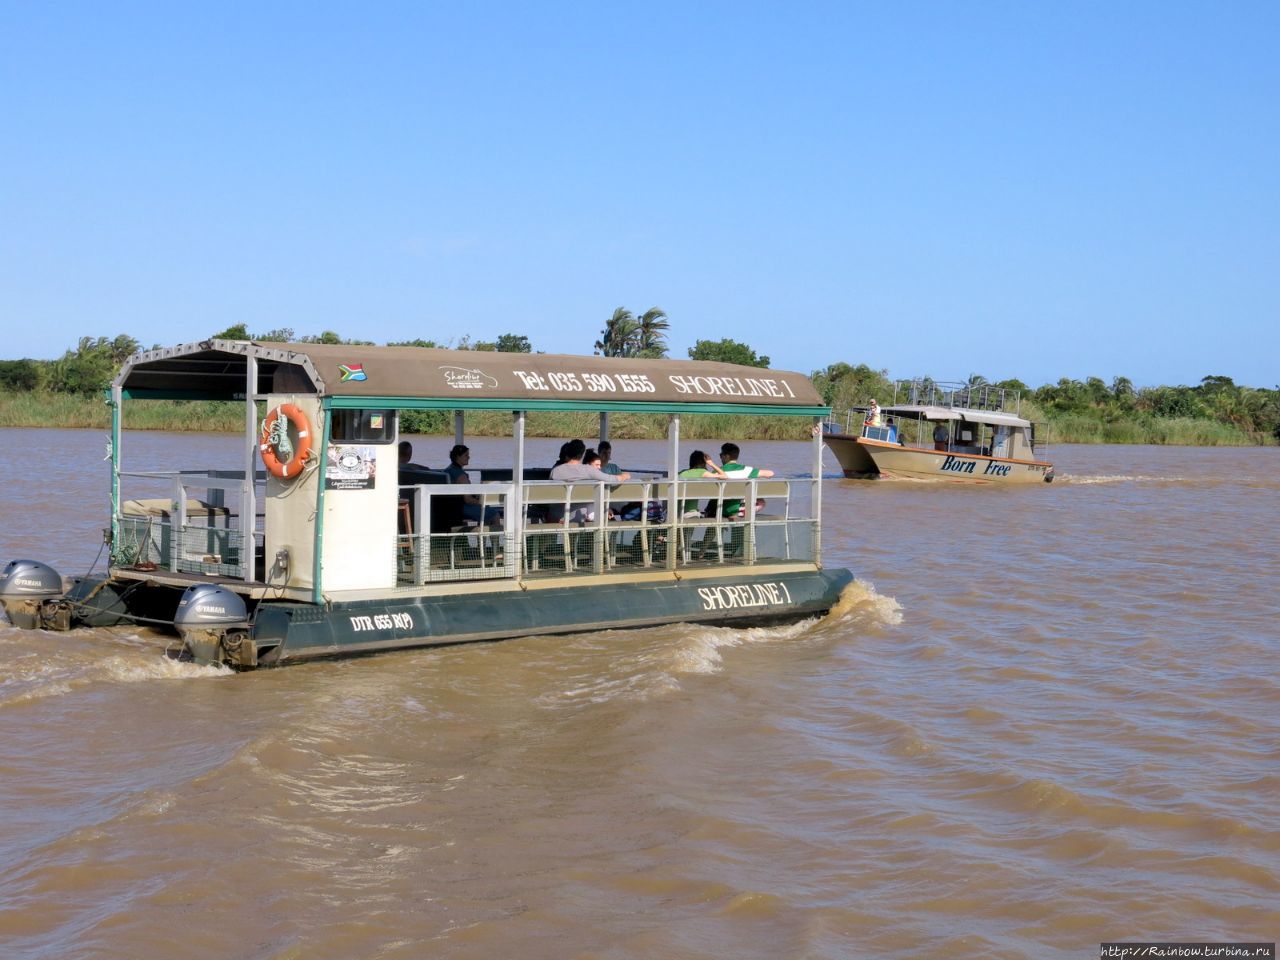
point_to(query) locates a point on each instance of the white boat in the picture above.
(955, 432)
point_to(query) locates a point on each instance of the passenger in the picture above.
(564, 452)
(606, 458)
(573, 470)
(940, 436)
(591, 458)
(734, 470)
(459, 457)
(873, 415)
(699, 467)
(409, 472)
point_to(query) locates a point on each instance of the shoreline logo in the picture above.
(463, 378)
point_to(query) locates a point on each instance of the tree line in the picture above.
(1081, 409)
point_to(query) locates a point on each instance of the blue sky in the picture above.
(1011, 189)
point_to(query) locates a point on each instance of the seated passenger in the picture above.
(459, 458)
(699, 467)
(729, 453)
(607, 465)
(573, 470)
(409, 472)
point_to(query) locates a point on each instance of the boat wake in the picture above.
(860, 604)
(39, 665)
(1082, 479)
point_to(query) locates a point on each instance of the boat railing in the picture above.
(584, 528)
(924, 391)
(183, 532)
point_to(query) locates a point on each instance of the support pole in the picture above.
(248, 500)
(604, 425)
(458, 431)
(515, 508)
(817, 490)
(673, 500)
(117, 420)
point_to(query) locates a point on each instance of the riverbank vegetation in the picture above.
(68, 392)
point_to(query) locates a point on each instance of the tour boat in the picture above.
(957, 432)
(318, 546)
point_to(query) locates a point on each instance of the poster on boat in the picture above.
(349, 467)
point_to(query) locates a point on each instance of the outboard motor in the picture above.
(214, 624)
(29, 593)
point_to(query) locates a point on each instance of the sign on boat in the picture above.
(322, 546)
(941, 431)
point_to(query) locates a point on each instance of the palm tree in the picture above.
(620, 337)
(651, 340)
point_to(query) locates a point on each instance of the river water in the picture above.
(1043, 718)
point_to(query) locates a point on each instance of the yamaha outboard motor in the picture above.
(29, 593)
(214, 624)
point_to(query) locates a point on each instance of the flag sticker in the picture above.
(352, 371)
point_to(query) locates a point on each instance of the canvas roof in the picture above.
(353, 375)
(966, 414)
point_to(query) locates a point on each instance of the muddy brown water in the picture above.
(1043, 717)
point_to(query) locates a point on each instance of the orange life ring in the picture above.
(270, 458)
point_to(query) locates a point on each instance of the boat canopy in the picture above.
(355, 376)
(965, 414)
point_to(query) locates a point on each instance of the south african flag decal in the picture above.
(352, 371)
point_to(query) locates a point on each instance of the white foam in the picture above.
(861, 602)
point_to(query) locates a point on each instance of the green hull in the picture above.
(284, 632)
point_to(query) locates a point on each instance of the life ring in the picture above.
(269, 446)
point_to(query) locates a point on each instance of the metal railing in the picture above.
(583, 528)
(184, 534)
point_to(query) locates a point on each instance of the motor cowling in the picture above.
(27, 587)
(214, 622)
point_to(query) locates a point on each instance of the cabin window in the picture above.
(363, 426)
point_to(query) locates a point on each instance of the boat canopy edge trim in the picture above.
(515, 379)
(615, 406)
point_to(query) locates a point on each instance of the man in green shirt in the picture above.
(736, 509)
(734, 470)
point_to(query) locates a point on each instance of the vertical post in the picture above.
(604, 425)
(515, 503)
(458, 431)
(248, 502)
(673, 501)
(317, 561)
(117, 417)
(817, 490)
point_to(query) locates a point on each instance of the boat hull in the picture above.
(855, 462)
(285, 632)
(281, 632)
(894, 460)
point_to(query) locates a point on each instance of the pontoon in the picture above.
(317, 546)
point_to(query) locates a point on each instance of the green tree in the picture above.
(842, 386)
(651, 337)
(514, 343)
(20, 376)
(430, 344)
(727, 351)
(92, 365)
(620, 336)
(237, 331)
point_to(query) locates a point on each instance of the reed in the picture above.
(44, 409)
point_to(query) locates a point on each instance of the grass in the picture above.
(65, 410)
